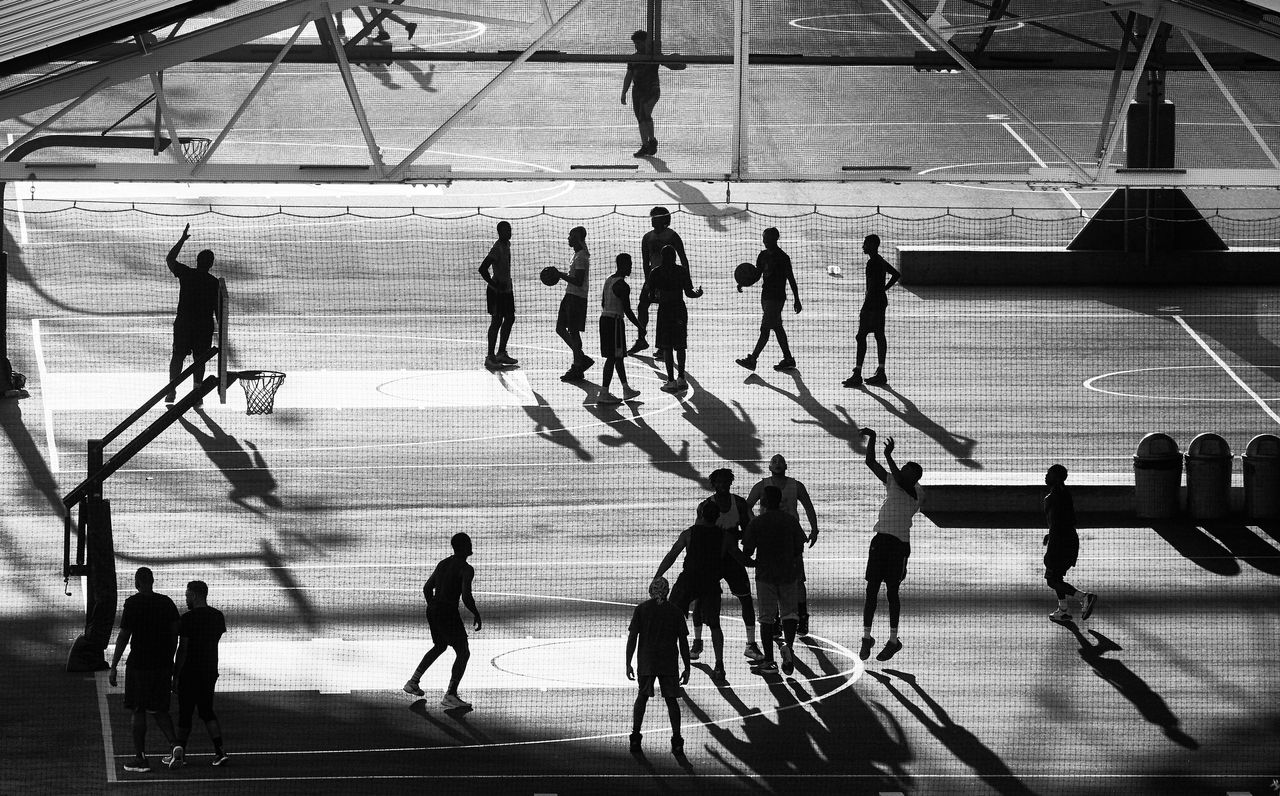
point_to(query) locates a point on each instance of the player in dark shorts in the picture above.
(668, 285)
(196, 667)
(450, 582)
(1062, 547)
(891, 542)
(642, 79)
(571, 320)
(659, 631)
(615, 304)
(198, 310)
(651, 246)
(500, 299)
(774, 268)
(149, 628)
(874, 306)
(734, 518)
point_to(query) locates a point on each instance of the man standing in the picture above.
(659, 631)
(651, 246)
(733, 520)
(642, 79)
(450, 582)
(776, 540)
(874, 306)
(196, 667)
(149, 628)
(773, 266)
(1062, 546)
(669, 284)
(794, 495)
(891, 542)
(572, 318)
(615, 303)
(198, 309)
(499, 298)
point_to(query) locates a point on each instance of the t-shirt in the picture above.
(877, 269)
(149, 618)
(614, 296)
(776, 265)
(500, 262)
(659, 626)
(644, 78)
(202, 628)
(581, 262)
(652, 243)
(898, 509)
(197, 296)
(444, 589)
(1060, 516)
(669, 284)
(778, 542)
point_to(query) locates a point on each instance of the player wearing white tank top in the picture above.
(615, 303)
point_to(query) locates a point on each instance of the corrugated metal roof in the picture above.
(28, 27)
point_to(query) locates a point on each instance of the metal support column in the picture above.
(741, 57)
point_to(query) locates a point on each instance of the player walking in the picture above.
(891, 542)
(793, 495)
(572, 318)
(651, 246)
(199, 307)
(658, 630)
(450, 582)
(1062, 545)
(642, 79)
(196, 667)
(615, 303)
(499, 296)
(774, 268)
(874, 305)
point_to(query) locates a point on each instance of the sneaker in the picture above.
(173, 761)
(853, 381)
(682, 385)
(639, 345)
(454, 701)
(867, 643)
(671, 386)
(412, 687)
(1060, 616)
(629, 392)
(170, 398)
(572, 374)
(890, 649)
(507, 359)
(635, 743)
(802, 626)
(652, 146)
(219, 758)
(677, 745)
(584, 363)
(878, 378)
(410, 28)
(659, 355)
(138, 765)
(642, 152)
(608, 399)
(492, 363)
(788, 658)
(1086, 604)
(695, 649)
(786, 364)
(752, 652)
(747, 362)
(767, 667)
(717, 672)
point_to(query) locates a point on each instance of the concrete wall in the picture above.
(949, 265)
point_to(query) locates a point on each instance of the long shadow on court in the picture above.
(631, 428)
(24, 445)
(550, 427)
(694, 202)
(1246, 545)
(958, 445)
(839, 424)
(243, 466)
(731, 435)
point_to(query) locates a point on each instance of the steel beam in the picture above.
(1231, 100)
(1148, 42)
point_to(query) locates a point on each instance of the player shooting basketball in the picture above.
(198, 311)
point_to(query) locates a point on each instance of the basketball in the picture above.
(549, 275)
(745, 274)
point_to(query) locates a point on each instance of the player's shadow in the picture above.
(631, 428)
(691, 200)
(24, 445)
(728, 431)
(1246, 545)
(959, 446)
(958, 740)
(1151, 706)
(243, 466)
(839, 423)
(423, 79)
(548, 426)
(1198, 547)
(419, 708)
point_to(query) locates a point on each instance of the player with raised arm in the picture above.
(891, 542)
(199, 307)
(449, 583)
(499, 298)
(615, 304)
(874, 306)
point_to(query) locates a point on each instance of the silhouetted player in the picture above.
(669, 284)
(1062, 545)
(774, 267)
(891, 544)
(658, 630)
(450, 582)
(615, 304)
(198, 310)
(734, 517)
(642, 79)
(777, 542)
(571, 320)
(651, 246)
(874, 306)
(195, 670)
(794, 497)
(500, 298)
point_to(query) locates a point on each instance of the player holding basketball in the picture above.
(199, 307)
(651, 246)
(659, 631)
(615, 304)
(450, 582)
(1062, 546)
(793, 495)
(668, 285)
(874, 306)
(572, 318)
(499, 298)
(891, 544)
(773, 267)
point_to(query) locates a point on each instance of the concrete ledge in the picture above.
(951, 265)
(1022, 493)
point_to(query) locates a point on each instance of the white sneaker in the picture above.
(454, 701)
(1061, 616)
(175, 758)
(752, 652)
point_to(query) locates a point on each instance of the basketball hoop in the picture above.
(193, 149)
(260, 390)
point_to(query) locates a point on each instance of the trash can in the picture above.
(1157, 477)
(1262, 478)
(1208, 477)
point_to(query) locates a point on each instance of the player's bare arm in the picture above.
(802, 495)
(468, 600)
(876, 468)
(632, 637)
(894, 275)
(172, 259)
(623, 291)
(122, 641)
(684, 656)
(795, 291)
(681, 542)
(888, 457)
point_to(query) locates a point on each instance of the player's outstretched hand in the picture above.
(888, 445)
(111, 678)
(186, 232)
(869, 433)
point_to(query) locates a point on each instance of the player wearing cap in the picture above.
(773, 266)
(891, 542)
(793, 495)
(449, 583)
(499, 298)
(651, 246)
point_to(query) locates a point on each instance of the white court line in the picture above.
(22, 215)
(38, 346)
(108, 740)
(908, 26)
(1039, 162)
(1248, 390)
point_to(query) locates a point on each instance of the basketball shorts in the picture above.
(687, 589)
(871, 318)
(613, 337)
(499, 303)
(887, 559)
(192, 338)
(195, 694)
(668, 685)
(771, 309)
(735, 576)
(446, 627)
(673, 328)
(573, 313)
(147, 689)
(777, 599)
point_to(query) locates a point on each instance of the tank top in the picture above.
(610, 304)
(790, 494)
(898, 510)
(730, 520)
(702, 554)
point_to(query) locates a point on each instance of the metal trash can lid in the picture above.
(1157, 446)
(1208, 446)
(1263, 446)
